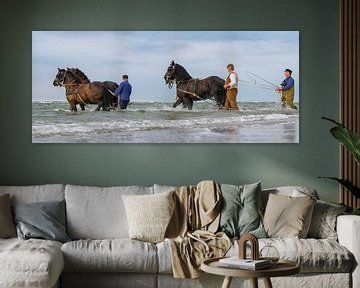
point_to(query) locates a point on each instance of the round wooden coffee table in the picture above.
(281, 268)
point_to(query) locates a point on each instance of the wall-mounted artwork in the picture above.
(165, 87)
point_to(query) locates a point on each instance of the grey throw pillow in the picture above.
(7, 226)
(44, 220)
(240, 213)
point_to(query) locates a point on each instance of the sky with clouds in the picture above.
(145, 56)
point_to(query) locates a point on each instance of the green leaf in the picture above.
(347, 184)
(349, 139)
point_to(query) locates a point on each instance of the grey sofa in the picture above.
(102, 255)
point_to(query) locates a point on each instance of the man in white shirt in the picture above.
(231, 87)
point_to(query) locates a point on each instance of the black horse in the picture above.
(189, 89)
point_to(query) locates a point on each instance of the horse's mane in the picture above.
(182, 73)
(79, 74)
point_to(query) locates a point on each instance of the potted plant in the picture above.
(351, 141)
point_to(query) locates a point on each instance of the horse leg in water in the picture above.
(72, 102)
(99, 106)
(82, 106)
(178, 101)
(219, 94)
(107, 100)
(102, 106)
(188, 103)
(73, 107)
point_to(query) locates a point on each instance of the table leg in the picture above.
(227, 282)
(254, 282)
(267, 283)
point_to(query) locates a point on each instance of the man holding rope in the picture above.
(287, 90)
(231, 87)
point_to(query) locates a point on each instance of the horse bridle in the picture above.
(62, 83)
(172, 80)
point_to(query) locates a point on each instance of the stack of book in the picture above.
(248, 264)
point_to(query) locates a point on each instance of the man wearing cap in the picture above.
(287, 90)
(231, 87)
(123, 92)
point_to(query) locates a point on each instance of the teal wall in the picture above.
(24, 163)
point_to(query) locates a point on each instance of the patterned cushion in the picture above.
(323, 221)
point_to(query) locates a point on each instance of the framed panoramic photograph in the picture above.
(165, 87)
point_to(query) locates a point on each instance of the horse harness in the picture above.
(187, 86)
(76, 93)
(187, 91)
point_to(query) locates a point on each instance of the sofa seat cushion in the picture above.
(313, 255)
(115, 255)
(30, 263)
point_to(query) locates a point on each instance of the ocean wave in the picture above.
(156, 122)
(113, 126)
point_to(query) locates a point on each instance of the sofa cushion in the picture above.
(323, 222)
(149, 215)
(44, 220)
(34, 193)
(7, 226)
(98, 213)
(30, 263)
(313, 255)
(287, 216)
(240, 210)
(117, 255)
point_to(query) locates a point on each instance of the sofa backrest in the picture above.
(98, 212)
(35, 193)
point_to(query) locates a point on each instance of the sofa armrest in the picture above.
(348, 230)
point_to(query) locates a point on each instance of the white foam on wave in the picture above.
(123, 125)
(149, 122)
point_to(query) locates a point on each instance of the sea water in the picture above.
(154, 122)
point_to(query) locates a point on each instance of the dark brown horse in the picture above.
(111, 86)
(189, 89)
(80, 92)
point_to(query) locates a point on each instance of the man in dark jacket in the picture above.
(123, 92)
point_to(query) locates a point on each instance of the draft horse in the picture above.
(82, 92)
(111, 86)
(189, 89)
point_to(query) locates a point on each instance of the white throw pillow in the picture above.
(149, 215)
